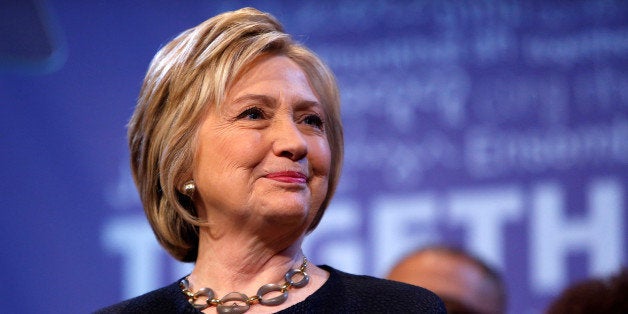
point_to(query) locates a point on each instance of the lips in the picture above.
(288, 176)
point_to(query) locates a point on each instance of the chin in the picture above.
(286, 212)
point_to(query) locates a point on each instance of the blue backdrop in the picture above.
(499, 126)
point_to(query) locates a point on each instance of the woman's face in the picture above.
(264, 157)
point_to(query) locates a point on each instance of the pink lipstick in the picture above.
(288, 177)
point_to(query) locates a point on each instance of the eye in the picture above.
(313, 120)
(252, 113)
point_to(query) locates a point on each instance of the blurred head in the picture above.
(463, 282)
(191, 76)
(596, 295)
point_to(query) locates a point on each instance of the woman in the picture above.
(236, 147)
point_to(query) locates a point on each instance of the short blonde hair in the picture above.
(189, 74)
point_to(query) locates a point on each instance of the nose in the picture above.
(288, 140)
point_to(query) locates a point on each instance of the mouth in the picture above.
(287, 177)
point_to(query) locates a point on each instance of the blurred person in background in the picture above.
(236, 149)
(597, 295)
(464, 282)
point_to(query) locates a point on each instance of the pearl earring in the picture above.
(189, 188)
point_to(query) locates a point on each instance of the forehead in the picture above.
(271, 74)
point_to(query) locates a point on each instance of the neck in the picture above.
(229, 264)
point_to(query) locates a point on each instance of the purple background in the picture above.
(499, 126)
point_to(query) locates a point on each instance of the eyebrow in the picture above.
(266, 100)
(272, 102)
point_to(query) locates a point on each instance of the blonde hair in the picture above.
(190, 73)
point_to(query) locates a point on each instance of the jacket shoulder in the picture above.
(387, 296)
(163, 300)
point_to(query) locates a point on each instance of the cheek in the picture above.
(232, 149)
(244, 151)
(320, 157)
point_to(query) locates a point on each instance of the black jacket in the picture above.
(341, 293)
